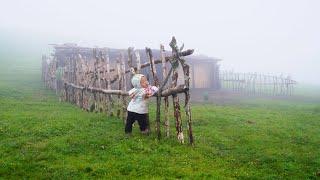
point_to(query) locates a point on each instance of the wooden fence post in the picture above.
(119, 87)
(156, 83)
(166, 100)
(138, 61)
(175, 97)
(110, 103)
(124, 82)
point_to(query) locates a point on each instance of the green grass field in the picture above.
(42, 138)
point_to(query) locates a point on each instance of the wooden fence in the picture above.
(256, 83)
(94, 85)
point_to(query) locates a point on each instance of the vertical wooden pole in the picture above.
(166, 100)
(94, 80)
(175, 97)
(110, 103)
(156, 83)
(188, 109)
(186, 72)
(176, 106)
(152, 67)
(85, 84)
(77, 91)
(99, 69)
(119, 86)
(123, 75)
(130, 60)
(69, 79)
(138, 61)
(103, 83)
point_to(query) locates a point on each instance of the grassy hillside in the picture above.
(41, 137)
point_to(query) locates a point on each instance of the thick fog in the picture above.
(268, 36)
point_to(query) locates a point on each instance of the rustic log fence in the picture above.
(256, 83)
(92, 84)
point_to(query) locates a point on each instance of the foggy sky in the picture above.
(268, 36)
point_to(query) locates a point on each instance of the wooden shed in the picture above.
(204, 70)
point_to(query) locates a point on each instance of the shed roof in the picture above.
(69, 49)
